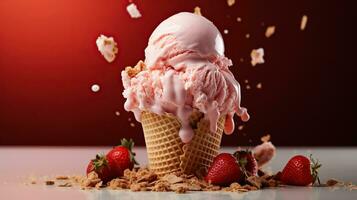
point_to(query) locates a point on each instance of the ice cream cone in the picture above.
(167, 153)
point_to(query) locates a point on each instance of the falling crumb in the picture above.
(244, 134)
(132, 124)
(95, 88)
(303, 22)
(239, 19)
(107, 47)
(240, 127)
(247, 35)
(231, 2)
(269, 31)
(246, 81)
(259, 85)
(241, 59)
(133, 11)
(250, 140)
(225, 31)
(257, 56)
(129, 119)
(117, 113)
(197, 11)
(247, 87)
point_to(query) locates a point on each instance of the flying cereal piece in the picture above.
(133, 11)
(225, 31)
(197, 11)
(259, 85)
(270, 31)
(257, 56)
(303, 22)
(231, 2)
(107, 47)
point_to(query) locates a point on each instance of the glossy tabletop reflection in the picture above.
(17, 164)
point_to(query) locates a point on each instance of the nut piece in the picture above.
(257, 56)
(269, 31)
(62, 177)
(133, 71)
(231, 2)
(197, 11)
(303, 22)
(49, 182)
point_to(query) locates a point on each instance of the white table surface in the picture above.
(18, 163)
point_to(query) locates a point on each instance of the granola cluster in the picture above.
(142, 179)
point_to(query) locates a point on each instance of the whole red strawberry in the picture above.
(122, 157)
(300, 171)
(102, 167)
(247, 162)
(224, 170)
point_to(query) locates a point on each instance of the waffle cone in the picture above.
(167, 153)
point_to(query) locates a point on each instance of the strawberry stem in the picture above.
(99, 161)
(129, 144)
(315, 165)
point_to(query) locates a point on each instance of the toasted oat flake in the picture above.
(303, 22)
(225, 31)
(197, 11)
(241, 59)
(269, 31)
(257, 56)
(107, 47)
(240, 127)
(231, 2)
(117, 113)
(239, 19)
(247, 87)
(132, 124)
(133, 11)
(247, 35)
(172, 179)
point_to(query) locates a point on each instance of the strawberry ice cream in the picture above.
(184, 70)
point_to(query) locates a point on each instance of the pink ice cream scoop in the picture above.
(185, 69)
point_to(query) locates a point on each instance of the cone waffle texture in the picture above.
(167, 153)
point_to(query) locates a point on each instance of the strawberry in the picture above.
(300, 171)
(101, 166)
(224, 170)
(121, 157)
(247, 162)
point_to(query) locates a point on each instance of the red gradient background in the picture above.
(48, 62)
